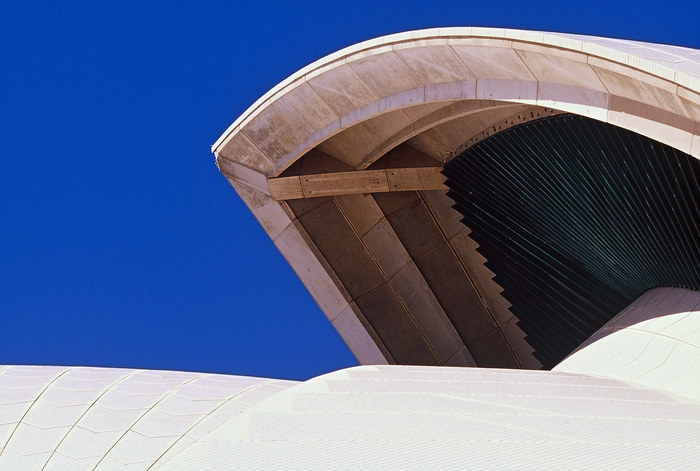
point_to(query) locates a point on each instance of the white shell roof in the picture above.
(360, 418)
(655, 342)
(628, 397)
(87, 418)
(409, 417)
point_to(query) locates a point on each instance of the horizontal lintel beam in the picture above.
(359, 181)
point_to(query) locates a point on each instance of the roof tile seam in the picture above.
(75, 424)
(471, 414)
(537, 396)
(34, 402)
(205, 416)
(523, 383)
(164, 395)
(654, 333)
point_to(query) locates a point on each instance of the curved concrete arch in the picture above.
(487, 120)
(327, 157)
(646, 88)
(362, 153)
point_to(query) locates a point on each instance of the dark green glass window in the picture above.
(577, 218)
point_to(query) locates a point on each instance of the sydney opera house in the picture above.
(502, 225)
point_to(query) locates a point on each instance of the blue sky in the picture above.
(120, 243)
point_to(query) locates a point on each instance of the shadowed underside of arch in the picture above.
(341, 164)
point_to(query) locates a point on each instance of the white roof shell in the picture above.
(101, 418)
(628, 397)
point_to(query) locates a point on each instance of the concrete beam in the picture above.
(356, 182)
